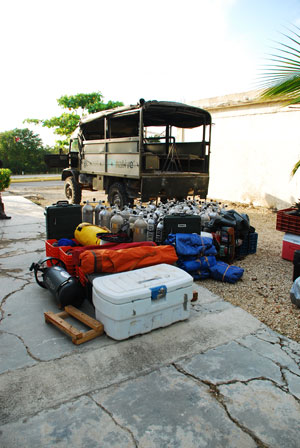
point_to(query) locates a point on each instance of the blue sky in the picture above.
(163, 49)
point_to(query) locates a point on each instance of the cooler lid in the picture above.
(291, 238)
(139, 284)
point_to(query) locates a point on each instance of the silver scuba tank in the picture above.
(97, 212)
(150, 228)
(140, 229)
(87, 213)
(105, 217)
(116, 222)
(159, 231)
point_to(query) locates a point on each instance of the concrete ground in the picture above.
(219, 379)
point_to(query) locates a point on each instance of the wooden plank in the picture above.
(62, 314)
(87, 336)
(84, 318)
(78, 337)
(63, 325)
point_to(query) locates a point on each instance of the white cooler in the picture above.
(139, 301)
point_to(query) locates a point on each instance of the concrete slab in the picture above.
(52, 383)
(292, 348)
(231, 362)
(80, 423)
(10, 248)
(23, 316)
(269, 413)
(293, 383)
(213, 307)
(13, 353)
(272, 351)
(20, 207)
(204, 295)
(213, 380)
(9, 284)
(165, 408)
(21, 262)
(28, 220)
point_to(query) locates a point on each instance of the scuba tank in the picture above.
(116, 222)
(87, 213)
(140, 229)
(125, 213)
(105, 217)
(150, 228)
(132, 219)
(65, 288)
(97, 211)
(159, 231)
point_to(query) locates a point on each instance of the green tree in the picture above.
(78, 105)
(282, 78)
(22, 151)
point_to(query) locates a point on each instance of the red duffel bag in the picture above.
(107, 260)
(77, 250)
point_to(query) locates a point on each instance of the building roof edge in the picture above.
(234, 100)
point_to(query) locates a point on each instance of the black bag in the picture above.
(181, 224)
(62, 219)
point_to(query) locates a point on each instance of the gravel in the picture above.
(263, 291)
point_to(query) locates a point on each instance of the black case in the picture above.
(62, 219)
(182, 224)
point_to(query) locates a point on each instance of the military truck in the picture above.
(131, 152)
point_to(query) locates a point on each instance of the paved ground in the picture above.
(220, 379)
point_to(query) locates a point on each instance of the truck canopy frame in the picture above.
(159, 113)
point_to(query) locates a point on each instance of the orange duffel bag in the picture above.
(106, 260)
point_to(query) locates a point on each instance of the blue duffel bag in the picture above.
(226, 272)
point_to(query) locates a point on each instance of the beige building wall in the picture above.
(254, 147)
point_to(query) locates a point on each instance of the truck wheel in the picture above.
(72, 190)
(117, 195)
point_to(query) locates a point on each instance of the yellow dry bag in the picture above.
(86, 234)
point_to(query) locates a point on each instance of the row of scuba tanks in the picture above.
(145, 222)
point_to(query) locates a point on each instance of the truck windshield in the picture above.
(74, 145)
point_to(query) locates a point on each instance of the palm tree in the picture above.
(282, 78)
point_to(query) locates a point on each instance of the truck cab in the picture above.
(134, 152)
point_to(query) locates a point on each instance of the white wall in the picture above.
(254, 148)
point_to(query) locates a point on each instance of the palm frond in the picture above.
(295, 169)
(282, 79)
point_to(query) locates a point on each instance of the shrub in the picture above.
(4, 178)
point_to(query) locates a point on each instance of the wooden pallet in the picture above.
(78, 337)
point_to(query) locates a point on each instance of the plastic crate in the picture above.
(288, 223)
(51, 250)
(81, 275)
(67, 259)
(249, 245)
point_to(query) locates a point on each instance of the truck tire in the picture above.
(72, 190)
(117, 195)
